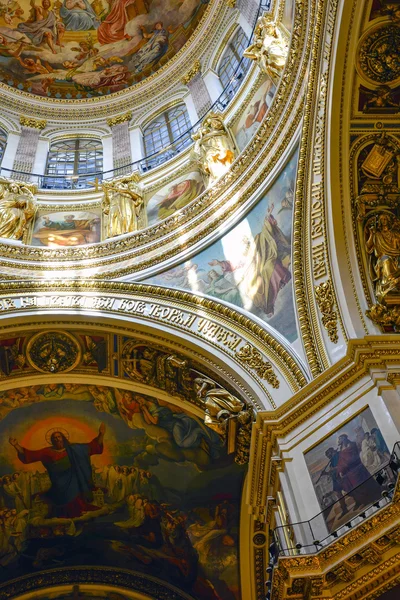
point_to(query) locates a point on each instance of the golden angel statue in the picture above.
(213, 150)
(269, 48)
(122, 204)
(17, 209)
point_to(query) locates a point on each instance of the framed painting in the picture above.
(341, 466)
(67, 228)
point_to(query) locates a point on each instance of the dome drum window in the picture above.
(74, 164)
(166, 136)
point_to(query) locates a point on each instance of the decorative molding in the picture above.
(119, 119)
(196, 68)
(32, 123)
(325, 298)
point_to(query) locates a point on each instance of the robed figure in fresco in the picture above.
(69, 469)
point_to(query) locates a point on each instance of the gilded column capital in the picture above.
(32, 123)
(119, 119)
(196, 68)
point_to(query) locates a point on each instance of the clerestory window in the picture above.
(74, 163)
(167, 135)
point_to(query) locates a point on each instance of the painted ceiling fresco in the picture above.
(85, 48)
(93, 475)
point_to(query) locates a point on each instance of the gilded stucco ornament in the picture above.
(17, 209)
(118, 119)
(378, 59)
(325, 297)
(53, 352)
(269, 48)
(122, 205)
(196, 68)
(253, 358)
(213, 149)
(32, 123)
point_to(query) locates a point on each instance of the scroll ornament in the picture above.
(325, 298)
(269, 48)
(253, 357)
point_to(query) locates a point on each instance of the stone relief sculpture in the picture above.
(122, 206)
(269, 48)
(17, 209)
(213, 150)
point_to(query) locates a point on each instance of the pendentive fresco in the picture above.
(250, 267)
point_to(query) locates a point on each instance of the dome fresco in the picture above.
(77, 49)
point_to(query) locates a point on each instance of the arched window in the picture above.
(167, 135)
(74, 163)
(229, 71)
(3, 143)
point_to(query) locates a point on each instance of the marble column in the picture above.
(121, 143)
(198, 90)
(27, 147)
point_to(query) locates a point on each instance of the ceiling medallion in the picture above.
(378, 58)
(53, 352)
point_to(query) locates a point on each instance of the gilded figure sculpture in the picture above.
(382, 243)
(269, 48)
(213, 150)
(17, 209)
(220, 405)
(122, 205)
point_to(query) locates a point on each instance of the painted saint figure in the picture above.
(69, 469)
(42, 26)
(78, 15)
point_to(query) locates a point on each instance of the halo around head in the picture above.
(54, 430)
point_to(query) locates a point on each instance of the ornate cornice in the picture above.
(196, 68)
(32, 123)
(117, 120)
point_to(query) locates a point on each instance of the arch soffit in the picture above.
(264, 369)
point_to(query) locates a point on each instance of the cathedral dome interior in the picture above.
(199, 299)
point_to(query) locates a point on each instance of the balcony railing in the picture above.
(92, 180)
(308, 537)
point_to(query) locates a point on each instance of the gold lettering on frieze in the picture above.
(7, 304)
(28, 301)
(172, 315)
(132, 306)
(213, 331)
(319, 261)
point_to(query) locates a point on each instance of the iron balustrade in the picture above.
(308, 537)
(92, 180)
